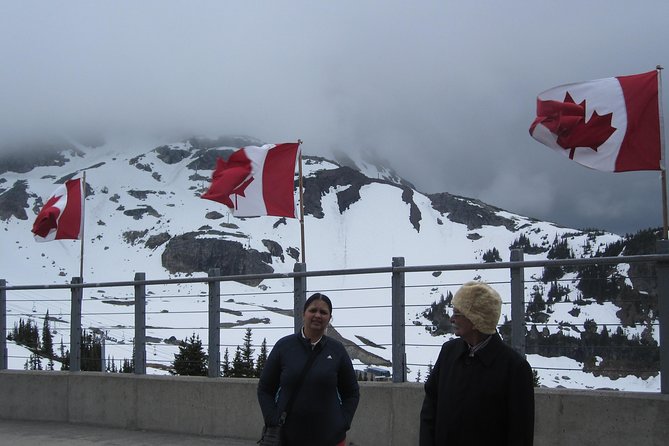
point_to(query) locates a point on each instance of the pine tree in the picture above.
(91, 353)
(34, 362)
(492, 256)
(127, 367)
(262, 358)
(26, 333)
(47, 338)
(64, 356)
(237, 370)
(191, 359)
(247, 355)
(33, 335)
(225, 365)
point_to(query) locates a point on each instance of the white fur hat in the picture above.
(479, 303)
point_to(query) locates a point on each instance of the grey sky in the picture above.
(445, 90)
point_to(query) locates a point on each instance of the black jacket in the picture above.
(325, 404)
(487, 399)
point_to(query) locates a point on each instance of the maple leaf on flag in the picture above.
(567, 120)
(259, 179)
(241, 189)
(61, 217)
(627, 139)
(228, 177)
(48, 218)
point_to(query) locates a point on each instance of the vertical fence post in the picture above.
(214, 366)
(3, 326)
(75, 325)
(662, 269)
(103, 359)
(140, 325)
(518, 303)
(299, 296)
(399, 358)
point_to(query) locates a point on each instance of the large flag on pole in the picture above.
(257, 181)
(610, 124)
(61, 216)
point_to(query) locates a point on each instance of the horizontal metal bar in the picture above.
(650, 258)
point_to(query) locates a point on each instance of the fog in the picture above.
(444, 90)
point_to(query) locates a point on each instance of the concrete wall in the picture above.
(387, 415)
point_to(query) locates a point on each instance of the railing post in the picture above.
(214, 364)
(300, 296)
(140, 325)
(399, 358)
(3, 326)
(662, 269)
(103, 359)
(75, 326)
(518, 303)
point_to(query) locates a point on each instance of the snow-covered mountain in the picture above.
(144, 214)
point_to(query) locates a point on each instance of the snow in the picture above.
(369, 233)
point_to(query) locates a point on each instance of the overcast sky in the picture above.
(445, 90)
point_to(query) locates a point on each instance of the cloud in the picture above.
(441, 89)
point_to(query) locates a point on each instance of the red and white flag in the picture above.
(610, 124)
(62, 215)
(257, 181)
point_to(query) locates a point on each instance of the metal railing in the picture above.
(398, 272)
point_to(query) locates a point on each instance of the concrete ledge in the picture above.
(388, 413)
(566, 417)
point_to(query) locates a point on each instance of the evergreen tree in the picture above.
(127, 367)
(492, 256)
(64, 356)
(247, 355)
(47, 338)
(33, 335)
(535, 378)
(91, 352)
(191, 359)
(237, 369)
(26, 333)
(225, 365)
(33, 363)
(262, 358)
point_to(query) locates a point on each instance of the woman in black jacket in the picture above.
(328, 396)
(480, 391)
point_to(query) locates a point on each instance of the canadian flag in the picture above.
(610, 124)
(62, 215)
(257, 181)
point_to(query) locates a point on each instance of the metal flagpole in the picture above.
(663, 170)
(299, 142)
(83, 218)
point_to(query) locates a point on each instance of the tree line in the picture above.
(190, 360)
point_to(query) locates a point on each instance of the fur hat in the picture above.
(479, 303)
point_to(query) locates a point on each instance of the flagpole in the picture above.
(83, 218)
(299, 142)
(663, 170)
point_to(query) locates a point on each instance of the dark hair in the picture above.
(318, 296)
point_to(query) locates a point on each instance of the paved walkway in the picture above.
(31, 433)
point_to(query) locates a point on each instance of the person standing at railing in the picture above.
(322, 405)
(480, 391)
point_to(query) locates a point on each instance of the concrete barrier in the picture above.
(387, 415)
